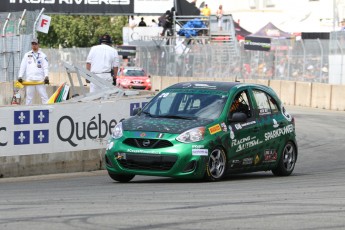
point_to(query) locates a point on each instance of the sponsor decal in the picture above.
(286, 114)
(235, 163)
(247, 161)
(141, 151)
(200, 152)
(224, 128)
(240, 126)
(198, 146)
(279, 132)
(257, 159)
(68, 130)
(245, 143)
(270, 155)
(215, 129)
(275, 123)
(264, 111)
(232, 134)
(148, 135)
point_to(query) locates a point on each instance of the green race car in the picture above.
(204, 130)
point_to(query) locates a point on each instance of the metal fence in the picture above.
(303, 60)
(16, 33)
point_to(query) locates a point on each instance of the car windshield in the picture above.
(186, 105)
(134, 72)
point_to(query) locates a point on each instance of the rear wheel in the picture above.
(287, 160)
(216, 165)
(121, 177)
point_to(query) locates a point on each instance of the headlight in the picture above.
(148, 80)
(117, 132)
(192, 135)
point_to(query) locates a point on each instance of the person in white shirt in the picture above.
(34, 69)
(102, 59)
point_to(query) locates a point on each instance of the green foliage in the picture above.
(82, 31)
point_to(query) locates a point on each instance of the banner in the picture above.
(257, 43)
(70, 6)
(28, 130)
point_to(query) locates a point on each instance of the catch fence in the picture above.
(17, 29)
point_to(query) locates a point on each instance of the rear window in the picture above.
(134, 73)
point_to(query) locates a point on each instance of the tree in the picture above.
(82, 31)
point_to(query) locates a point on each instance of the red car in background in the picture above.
(133, 78)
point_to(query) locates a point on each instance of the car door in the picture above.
(244, 139)
(273, 125)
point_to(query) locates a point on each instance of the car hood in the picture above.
(165, 125)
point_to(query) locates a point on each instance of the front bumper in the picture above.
(176, 161)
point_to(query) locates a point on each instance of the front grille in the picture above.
(148, 162)
(147, 143)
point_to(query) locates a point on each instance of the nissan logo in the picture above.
(146, 143)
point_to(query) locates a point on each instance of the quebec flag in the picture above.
(21, 137)
(21, 117)
(41, 116)
(41, 136)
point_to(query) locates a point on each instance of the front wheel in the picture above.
(216, 165)
(121, 177)
(287, 160)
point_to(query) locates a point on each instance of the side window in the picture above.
(266, 104)
(241, 104)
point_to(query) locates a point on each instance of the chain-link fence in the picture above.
(303, 60)
(16, 33)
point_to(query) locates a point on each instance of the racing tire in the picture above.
(287, 160)
(121, 178)
(216, 165)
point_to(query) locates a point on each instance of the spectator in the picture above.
(131, 22)
(34, 67)
(206, 11)
(219, 15)
(168, 23)
(102, 60)
(142, 22)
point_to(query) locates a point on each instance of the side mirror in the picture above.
(136, 111)
(149, 76)
(238, 117)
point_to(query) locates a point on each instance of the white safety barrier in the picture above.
(27, 130)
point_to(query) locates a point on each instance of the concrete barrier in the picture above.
(303, 94)
(63, 162)
(338, 97)
(321, 95)
(276, 86)
(287, 92)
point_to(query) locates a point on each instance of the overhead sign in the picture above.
(70, 6)
(43, 24)
(257, 43)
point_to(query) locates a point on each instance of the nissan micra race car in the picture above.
(204, 130)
